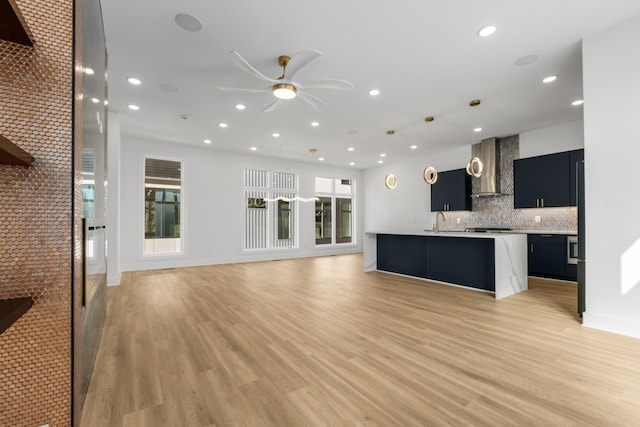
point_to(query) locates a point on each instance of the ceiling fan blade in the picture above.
(315, 103)
(298, 61)
(273, 106)
(239, 89)
(326, 84)
(246, 67)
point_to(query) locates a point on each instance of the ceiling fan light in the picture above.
(284, 91)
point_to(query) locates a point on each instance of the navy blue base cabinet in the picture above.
(403, 254)
(547, 257)
(458, 260)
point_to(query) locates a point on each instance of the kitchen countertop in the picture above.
(567, 232)
(462, 233)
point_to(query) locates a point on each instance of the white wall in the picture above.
(113, 194)
(611, 65)
(213, 201)
(553, 139)
(408, 207)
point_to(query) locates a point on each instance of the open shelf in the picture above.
(13, 27)
(11, 310)
(11, 154)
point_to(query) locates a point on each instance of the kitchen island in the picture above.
(492, 262)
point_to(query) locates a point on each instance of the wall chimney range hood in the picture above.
(489, 154)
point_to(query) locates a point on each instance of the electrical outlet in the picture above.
(457, 220)
(537, 218)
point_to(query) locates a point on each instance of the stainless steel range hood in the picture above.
(489, 155)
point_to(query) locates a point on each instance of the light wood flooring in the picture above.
(318, 342)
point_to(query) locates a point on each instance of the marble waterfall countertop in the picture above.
(510, 256)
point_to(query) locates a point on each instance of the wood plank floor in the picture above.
(318, 342)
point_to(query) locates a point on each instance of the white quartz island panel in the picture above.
(510, 257)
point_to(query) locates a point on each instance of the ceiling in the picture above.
(424, 56)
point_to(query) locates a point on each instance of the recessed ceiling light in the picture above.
(352, 163)
(223, 125)
(550, 79)
(380, 161)
(95, 100)
(374, 92)
(383, 155)
(321, 159)
(188, 22)
(254, 148)
(350, 149)
(207, 141)
(275, 134)
(577, 102)
(477, 130)
(240, 107)
(133, 107)
(315, 124)
(413, 147)
(89, 71)
(487, 31)
(134, 81)
(106, 102)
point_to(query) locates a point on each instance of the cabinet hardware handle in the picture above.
(542, 203)
(531, 247)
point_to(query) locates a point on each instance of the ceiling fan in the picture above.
(284, 87)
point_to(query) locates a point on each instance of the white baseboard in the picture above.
(611, 324)
(249, 257)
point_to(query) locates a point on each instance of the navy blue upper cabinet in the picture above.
(543, 181)
(575, 156)
(452, 191)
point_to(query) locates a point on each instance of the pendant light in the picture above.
(390, 180)
(429, 174)
(475, 165)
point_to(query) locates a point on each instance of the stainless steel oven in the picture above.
(572, 249)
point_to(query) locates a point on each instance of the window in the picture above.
(323, 220)
(334, 219)
(270, 220)
(284, 220)
(162, 206)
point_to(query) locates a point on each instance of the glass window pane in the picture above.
(323, 221)
(162, 206)
(284, 220)
(343, 221)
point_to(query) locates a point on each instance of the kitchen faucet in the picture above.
(443, 220)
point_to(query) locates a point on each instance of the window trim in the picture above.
(271, 191)
(333, 196)
(183, 209)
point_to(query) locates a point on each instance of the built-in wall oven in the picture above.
(572, 249)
